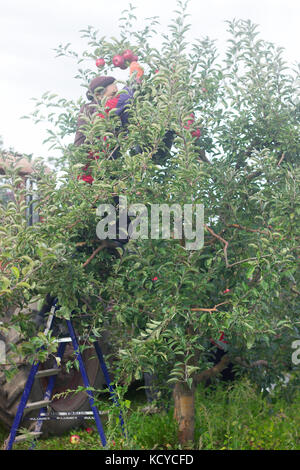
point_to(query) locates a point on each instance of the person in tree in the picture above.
(104, 90)
(101, 88)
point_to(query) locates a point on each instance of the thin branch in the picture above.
(86, 242)
(224, 362)
(214, 309)
(74, 223)
(260, 362)
(242, 227)
(213, 371)
(251, 176)
(93, 255)
(222, 240)
(245, 260)
(225, 242)
(293, 289)
(281, 159)
(81, 244)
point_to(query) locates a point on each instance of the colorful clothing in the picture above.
(120, 104)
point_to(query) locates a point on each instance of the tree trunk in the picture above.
(184, 412)
(184, 402)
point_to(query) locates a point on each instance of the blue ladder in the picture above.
(52, 373)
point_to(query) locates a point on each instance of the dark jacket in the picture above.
(87, 111)
(122, 107)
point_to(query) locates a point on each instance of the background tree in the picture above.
(170, 306)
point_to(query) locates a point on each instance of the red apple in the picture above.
(134, 58)
(128, 55)
(74, 439)
(124, 66)
(196, 133)
(118, 60)
(100, 62)
(190, 121)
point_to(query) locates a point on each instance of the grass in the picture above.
(234, 417)
(240, 418)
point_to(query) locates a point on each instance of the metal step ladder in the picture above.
(25, 406)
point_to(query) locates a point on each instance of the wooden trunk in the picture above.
(184, 412)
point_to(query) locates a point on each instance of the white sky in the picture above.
(31, 29)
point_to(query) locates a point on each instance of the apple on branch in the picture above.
(128, 55)
(118, 60)
(100, 62)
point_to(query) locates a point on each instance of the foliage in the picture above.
(244, 280)
(222, 422)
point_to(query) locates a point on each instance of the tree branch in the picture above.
(253, 175)
(226, 244)
(241, 227)
(213, 371)
(281, 159)
(214, 309)
(218, 368)
(222, 240)
(293, 289)
(241, 362)
(93, 255)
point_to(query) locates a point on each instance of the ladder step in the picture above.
(63, 340)
(24, 437)
(68, 339)
(68, 415)
(47, 373)
(37, 405)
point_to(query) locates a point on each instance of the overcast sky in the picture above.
(31, 29)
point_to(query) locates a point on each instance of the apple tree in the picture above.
(234, 128)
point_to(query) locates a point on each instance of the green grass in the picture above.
(233, 417)
(240, 418)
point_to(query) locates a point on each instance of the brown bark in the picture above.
(184, 412)
(184, 402)
(213, 371)
(184, 397)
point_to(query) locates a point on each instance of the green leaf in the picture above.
(127, 403)
(23, 284)
(16, 272)
(250, 341)
(5, 282)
